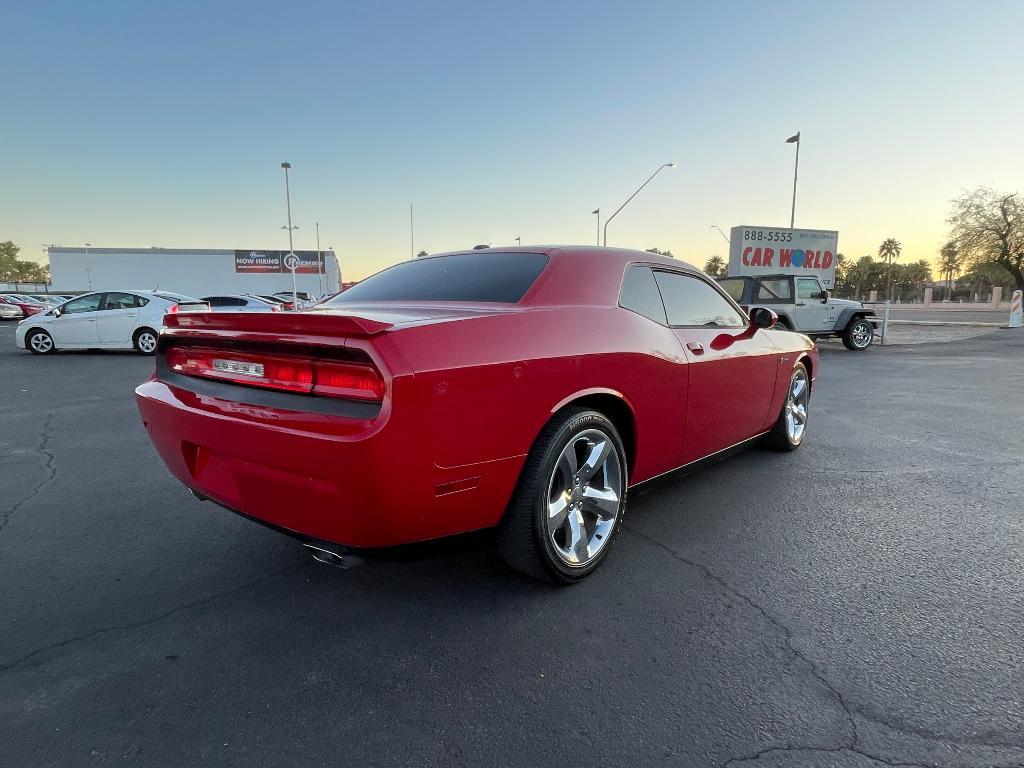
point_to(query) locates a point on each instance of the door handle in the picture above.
(801, 304)
(696, 347)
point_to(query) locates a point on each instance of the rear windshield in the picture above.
(734, 287)
(489, 277)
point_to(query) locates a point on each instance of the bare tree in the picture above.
(988, 227)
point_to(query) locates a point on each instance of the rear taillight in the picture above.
(281, 372)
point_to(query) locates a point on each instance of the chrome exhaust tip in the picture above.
(330, 557)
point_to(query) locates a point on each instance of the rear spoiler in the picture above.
(264, 324)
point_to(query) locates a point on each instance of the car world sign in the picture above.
(275, 261)
(776, 250)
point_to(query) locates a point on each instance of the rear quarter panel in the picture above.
(485, 387)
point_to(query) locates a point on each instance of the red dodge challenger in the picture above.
(522, 389)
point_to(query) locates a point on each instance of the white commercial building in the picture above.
(191, 271)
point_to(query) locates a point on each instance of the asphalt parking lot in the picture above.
(858, 603)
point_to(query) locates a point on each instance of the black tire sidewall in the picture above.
(848, 335)
(574, 425)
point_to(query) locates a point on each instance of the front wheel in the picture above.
(570, 500)
(858, 335)
(145, 341)
(791, 426)
(39, 342)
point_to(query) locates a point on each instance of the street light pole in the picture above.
(715, 226)
(519, 241)
(319, 261)
(88, 266)
(609, 221)
(412, 236)
(794, 139)
(597, 212)
(291, 248)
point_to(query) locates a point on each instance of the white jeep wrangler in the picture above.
(804, 305)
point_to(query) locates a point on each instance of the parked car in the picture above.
(286, 304)
(49, 299)
(26, 305)
(102, 320)
(803, 305)
(10, 310)
(304, 298)
(241, 303)
(521, 389)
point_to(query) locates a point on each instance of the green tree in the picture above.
(889, 251)
(864, 275)
(661, 253)
(715, 266)
(950, 265)
(15, 270)
(421, 254)
(988, 227)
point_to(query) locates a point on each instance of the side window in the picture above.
(808, 288)
(119, 301)
(640, 294)
(691, 301)
(89, 303)
(774, 290)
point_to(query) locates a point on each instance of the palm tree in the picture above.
(715, 266)
(889, 251)
(950, 264)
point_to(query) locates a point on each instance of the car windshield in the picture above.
(484, 277)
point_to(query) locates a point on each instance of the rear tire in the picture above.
(145, 341)
(791, 426)
(858, 335)
(39, 342)
(570, 500)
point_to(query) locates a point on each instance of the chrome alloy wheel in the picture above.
(861, 334)
(41, 342)
(584, 497)
(796, 406)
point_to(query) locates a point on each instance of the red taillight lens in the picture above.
(348, 380)
(280, 372)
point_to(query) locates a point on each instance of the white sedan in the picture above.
(102, 320)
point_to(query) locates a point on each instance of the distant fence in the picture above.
(25, 288)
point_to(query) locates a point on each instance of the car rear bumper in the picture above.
(356, 482)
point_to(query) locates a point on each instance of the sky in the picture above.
(144, 124)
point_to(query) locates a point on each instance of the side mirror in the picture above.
(762, 317)
(57, 312)
(825, 296)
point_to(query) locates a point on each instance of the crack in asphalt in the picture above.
(152, 620)
(816, 751)
(854, 737)
(51, 472)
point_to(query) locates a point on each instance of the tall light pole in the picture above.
(319, 261)
(715, 226)
(794, 139)
(88, 266)
(519, 240)
(412, 236)
(597, 212)
(290, 228)
(609, 221)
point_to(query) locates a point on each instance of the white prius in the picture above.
(103, 320)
